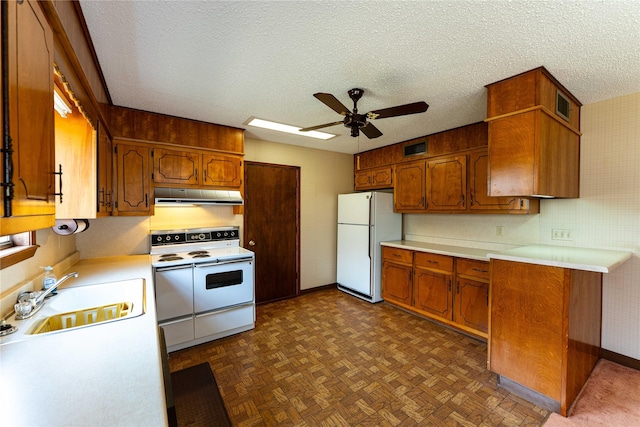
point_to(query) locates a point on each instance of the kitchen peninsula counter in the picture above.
(103, 375)
(587, 259)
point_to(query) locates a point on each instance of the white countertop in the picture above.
(102, 375)
(457, 251)
(598, 260)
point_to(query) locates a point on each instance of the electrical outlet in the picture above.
(558, 234)
(499, 230)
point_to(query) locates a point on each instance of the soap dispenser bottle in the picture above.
(49, 279)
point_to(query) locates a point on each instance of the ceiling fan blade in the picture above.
(332, 102)
(400, 110)
(370, 131)
(321, 126)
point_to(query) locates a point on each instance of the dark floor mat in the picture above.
(197, 398)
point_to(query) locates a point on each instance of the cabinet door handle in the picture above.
(59, 173)
(146, 200)
(449, 287)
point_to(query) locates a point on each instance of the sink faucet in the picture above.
(54, 287)
(34, 305)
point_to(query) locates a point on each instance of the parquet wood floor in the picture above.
(329, 359)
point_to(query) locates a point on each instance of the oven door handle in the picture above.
(233, 261)
(177, 267)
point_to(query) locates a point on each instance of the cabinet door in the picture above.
(221, 170)
(371, 179)
(105, 172)
(410, 187)
(175, 167)
(432, 292)
(472, 304)
(362, 180)
(133, 180)
(447, 184)
(30, 101)
(76, 152)
(396, 282)
(479, 191)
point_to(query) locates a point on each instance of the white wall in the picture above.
(607, 215)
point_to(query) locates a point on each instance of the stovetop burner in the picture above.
(169, 258)
(198, 253)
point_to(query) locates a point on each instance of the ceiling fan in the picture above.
(358, 122)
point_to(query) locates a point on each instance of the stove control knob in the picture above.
(218, 234)
(226, 234)
(159, 239)
(201, 236)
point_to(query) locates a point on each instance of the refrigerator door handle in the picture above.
(370, 243)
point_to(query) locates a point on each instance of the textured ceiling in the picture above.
(224, 61)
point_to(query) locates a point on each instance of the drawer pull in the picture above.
(480, 270)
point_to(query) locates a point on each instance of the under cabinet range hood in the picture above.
(196, 196)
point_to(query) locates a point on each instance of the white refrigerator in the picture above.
(364, 220)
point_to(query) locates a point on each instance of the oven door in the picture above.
(174, 291)
(222, 284)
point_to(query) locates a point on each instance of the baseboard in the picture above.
(621, 359)
(529, 395)
(318, 288)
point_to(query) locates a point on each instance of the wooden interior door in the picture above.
(271, 228)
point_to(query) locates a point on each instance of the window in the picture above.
(5, 242)
(17, 248)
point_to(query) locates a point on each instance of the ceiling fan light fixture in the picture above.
(281, 127)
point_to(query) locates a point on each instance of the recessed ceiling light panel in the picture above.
(280, 127)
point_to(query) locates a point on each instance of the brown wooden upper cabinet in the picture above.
(133, 179)
(410, 187)
(29, 70)
(176, 167)
(189, 168)
(480, 201)
(374, 179)
(534, 137)
(447, 184)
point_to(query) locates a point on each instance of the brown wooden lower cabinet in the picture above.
(545, 326)
(397, 274)
(429, 285)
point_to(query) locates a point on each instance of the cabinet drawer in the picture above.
(434, 261)
(472, 268)
(397, 255)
